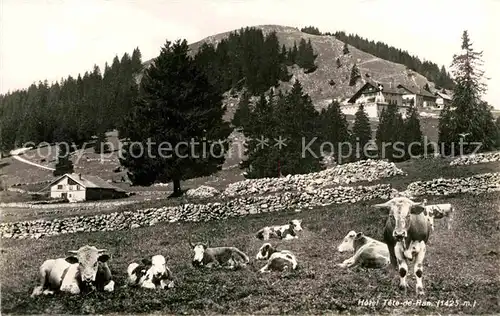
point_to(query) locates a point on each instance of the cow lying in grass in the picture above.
(85, 271)
(286, 232)
(151, 273)
(368, 252)
(277, 260)
(228, 257)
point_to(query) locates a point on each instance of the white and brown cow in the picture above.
(277, 260)
(368, 252)
(286, 232)
(437, 211)
(406, 225)
(151, 273)
(86, 270)
(210, 257)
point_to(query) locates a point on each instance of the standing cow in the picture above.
(84, 271)
(406, 225)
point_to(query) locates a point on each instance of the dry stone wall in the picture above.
(365, 170)
(476, 159)
(195, 212)
(477, 184)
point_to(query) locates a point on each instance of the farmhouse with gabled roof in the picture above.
(76, 188)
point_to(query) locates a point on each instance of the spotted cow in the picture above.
(85, 271)
(406, 224)
(368, 252)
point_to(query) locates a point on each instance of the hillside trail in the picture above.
(369, 61)
(15, 155)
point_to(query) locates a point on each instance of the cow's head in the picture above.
(400, 209)
(296, 225)
(348, 242)
(157, 265)
(199, 251)
(88, 258)
(265, 252)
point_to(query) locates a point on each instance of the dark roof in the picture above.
(87, 181)
(417, 90)
(387, 88)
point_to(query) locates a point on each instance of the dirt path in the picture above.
(15, 155)
(369, 61)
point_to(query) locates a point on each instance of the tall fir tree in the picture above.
(335, 130)
(64, 164)
(345, 50)
(467, 112)
(242, 114)
(389, 135)
(179, 107)
(412, 136)
(300, 125)
(361, 132)
(262, 127)
(355, 75)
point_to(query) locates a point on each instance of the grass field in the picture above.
(461, 263)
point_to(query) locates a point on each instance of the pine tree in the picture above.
(390, 133)
(412, 134)
(355, 75)
(100, 145)
(299, 124)
(177, 107)
(242, 114)
(467, 112)
(261, 158)
(64, 164)
(345, 50)
(335, 130)
(292, 117)
(361, 131)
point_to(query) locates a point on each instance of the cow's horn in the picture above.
(102, 250)
(73, 251)
(381, 205)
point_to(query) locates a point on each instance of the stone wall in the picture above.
(477, 184)
(476, 159)
(195, 212)
(365, 170)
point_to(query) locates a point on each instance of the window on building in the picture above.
(59, 186)
(77, 187)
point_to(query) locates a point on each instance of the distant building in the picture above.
(442, 99)
(77, 188)
(376, 96)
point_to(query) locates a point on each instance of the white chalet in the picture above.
(76, 188)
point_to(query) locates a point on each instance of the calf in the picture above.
(230, 257)
(86, 270)
(406, 224)
(151, 273)
(286, 232)
(276, 260)
(368, 252)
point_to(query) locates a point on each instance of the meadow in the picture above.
(461, 264)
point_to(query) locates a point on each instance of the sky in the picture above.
(41, 39)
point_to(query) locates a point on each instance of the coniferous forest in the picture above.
(75, 109)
